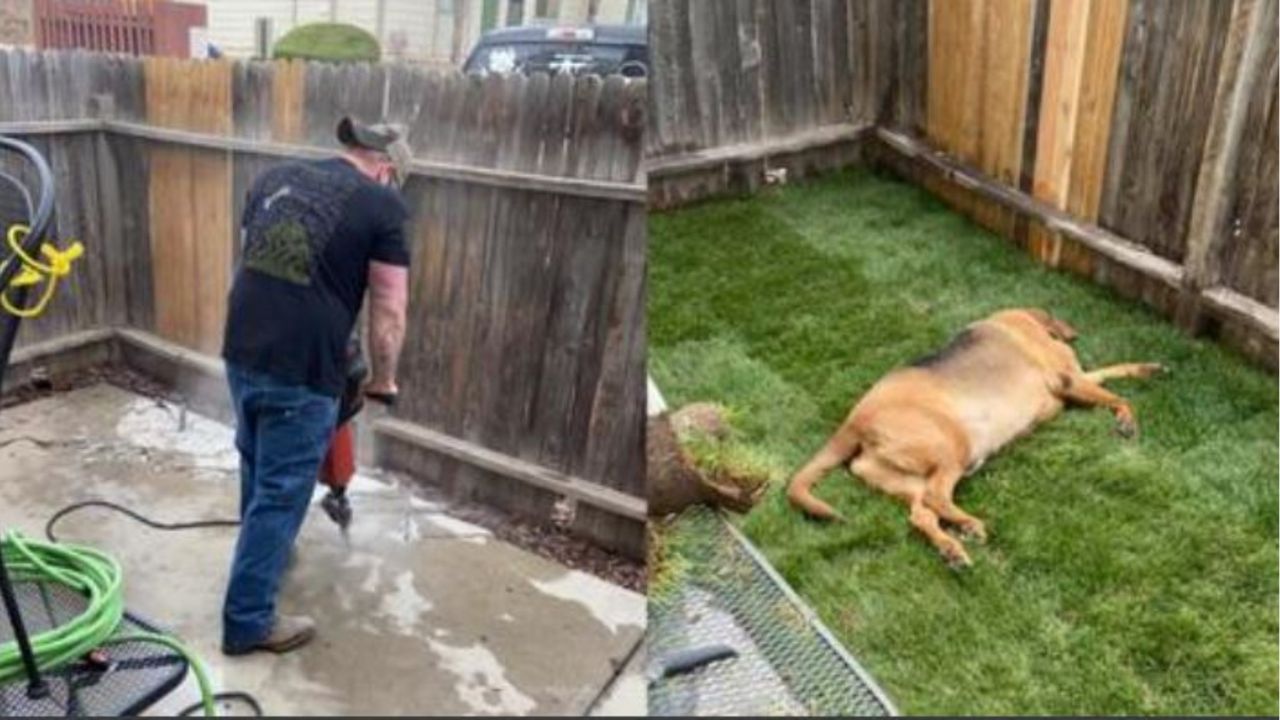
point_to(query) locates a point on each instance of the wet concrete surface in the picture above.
(418, 612)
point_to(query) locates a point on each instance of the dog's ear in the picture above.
(1057, 328)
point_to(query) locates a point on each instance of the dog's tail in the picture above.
(838, 450)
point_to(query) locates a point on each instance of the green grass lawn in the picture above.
(1122, 577)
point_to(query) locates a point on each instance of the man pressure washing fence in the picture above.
(316, 236)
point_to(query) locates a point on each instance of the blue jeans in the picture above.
(282, 433)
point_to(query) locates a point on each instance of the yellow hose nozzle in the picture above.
(33, 271)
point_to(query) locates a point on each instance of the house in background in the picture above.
(428, 32)
(17, 25)
(136, 27)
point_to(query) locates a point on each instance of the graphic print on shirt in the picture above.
(293, 216)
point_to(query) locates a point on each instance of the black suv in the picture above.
(577, 50)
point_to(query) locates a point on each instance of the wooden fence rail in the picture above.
(526, 341)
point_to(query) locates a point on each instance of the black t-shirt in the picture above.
(310, 230)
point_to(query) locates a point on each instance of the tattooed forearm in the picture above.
(388, 299)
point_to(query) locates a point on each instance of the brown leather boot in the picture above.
(289, 633)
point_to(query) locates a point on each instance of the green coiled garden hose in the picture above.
(98, 577)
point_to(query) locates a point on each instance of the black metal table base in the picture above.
(134, 676)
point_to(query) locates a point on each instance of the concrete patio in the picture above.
(419, 614)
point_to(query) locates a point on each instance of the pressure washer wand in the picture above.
(340, 466)
(336, 473)
(340, 462)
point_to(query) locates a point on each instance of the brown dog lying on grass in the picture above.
(922, 427)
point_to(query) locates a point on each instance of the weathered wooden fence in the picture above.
(523, 377)
(1147, 129)
(1131, 141)
(743, 85)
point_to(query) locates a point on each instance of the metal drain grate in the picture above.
(722, 591)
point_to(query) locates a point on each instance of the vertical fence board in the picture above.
(704, 40)
(1005, 63)
(1247, 256)
(132, 163)
(1248, 57)
(170, 192)
(1168, 78)
(953, 104)
(741, 72)
(1097, 94)
(1079, 83)
(750, 57)
(190, 201)
(686, 127)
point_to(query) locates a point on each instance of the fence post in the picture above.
(1252, 29)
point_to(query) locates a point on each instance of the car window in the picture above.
(552, 57)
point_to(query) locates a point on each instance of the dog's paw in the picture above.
(1148, 369)
(975, 531)
(1127, 429)
(956, 557)
(1126, 423)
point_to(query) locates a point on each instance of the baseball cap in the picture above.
(380, 137)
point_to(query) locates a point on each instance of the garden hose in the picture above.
(49, 533)
(98, 577)
(154, 524)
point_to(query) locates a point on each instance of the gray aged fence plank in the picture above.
(686, 127)
(1248, 256)
(729, 74)
(132, 165)
(749, 51)
(706, 73)
(252, 106)
(840, 73)
(1248, 48)
(1169, 76)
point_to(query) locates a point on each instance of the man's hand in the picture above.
(384, 392)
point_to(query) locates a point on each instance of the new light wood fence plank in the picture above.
(1005, 63)
(211, 111)
(1065, 56)
(956, 44)
(1099, 75)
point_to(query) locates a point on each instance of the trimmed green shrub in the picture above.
(332, 42)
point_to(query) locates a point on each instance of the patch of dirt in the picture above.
(555, 544)
(42, 386)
